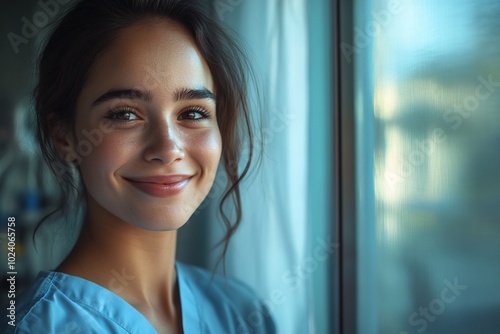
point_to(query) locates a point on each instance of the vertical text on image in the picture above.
(11, 273)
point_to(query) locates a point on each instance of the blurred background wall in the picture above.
(27, 189)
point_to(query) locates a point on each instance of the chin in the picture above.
(165, 221)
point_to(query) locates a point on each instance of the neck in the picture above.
(136, 264)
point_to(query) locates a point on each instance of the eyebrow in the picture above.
(193, 94)
(129, 94)
(136, 94)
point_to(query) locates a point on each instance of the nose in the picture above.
(164, 145)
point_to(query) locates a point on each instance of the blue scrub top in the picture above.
(65, 304)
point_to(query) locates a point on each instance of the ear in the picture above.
(64, 142)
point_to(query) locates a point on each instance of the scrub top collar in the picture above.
(116, 309)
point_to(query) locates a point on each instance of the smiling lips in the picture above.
(160, 186)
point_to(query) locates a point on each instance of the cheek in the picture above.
(108, 152)
(205, 148)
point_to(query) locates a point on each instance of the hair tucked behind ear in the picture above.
(86, 30)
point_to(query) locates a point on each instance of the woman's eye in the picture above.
(194, 115)
(122, 115)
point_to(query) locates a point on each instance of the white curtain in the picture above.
(272, 241)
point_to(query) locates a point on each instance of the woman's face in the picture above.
(146, 128)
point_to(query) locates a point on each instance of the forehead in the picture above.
(159, 56)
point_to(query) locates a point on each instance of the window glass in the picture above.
(436, 160)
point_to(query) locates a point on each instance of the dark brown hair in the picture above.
(86, 30)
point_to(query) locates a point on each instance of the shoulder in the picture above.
(232, 303)
(28, 304)
(59, 303)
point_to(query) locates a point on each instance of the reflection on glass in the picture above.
(436, 67)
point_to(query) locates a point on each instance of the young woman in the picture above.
(137, 103)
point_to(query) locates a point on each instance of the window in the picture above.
(420, 94)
